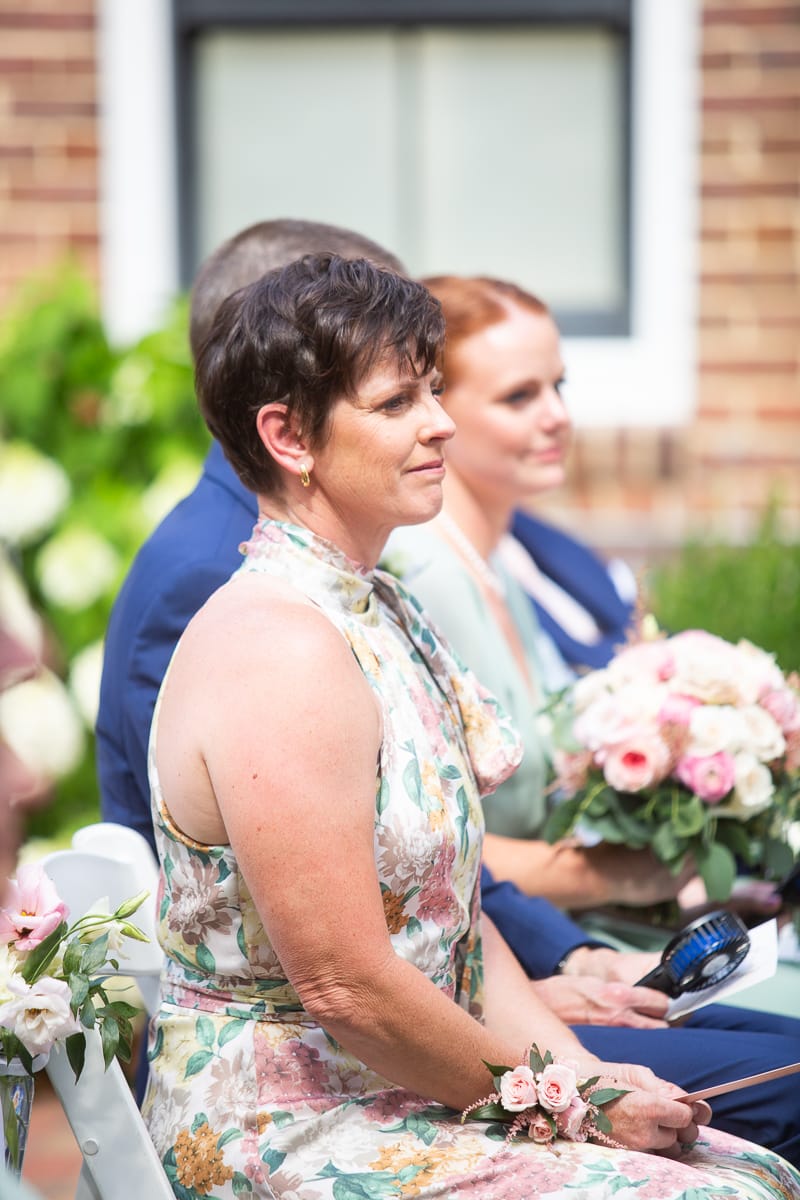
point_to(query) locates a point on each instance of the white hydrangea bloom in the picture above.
(39, 722)
(17, 614)
(76, 567)
(33, 491)
(85, 671)
(171, 484)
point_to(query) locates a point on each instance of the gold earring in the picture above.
(305, 478)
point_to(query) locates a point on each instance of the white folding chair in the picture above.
(119, 1159)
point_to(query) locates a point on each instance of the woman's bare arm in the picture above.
(578, 877)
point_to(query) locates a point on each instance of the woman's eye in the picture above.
(438, 390)
(520, 398)
(394, 404)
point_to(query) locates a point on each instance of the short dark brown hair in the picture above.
(262, 247)
(307, 335)
(471, 304)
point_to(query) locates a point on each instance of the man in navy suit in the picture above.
(194, 551)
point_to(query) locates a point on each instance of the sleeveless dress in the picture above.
(248, 1096)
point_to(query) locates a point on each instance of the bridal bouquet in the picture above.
(544, 1096)
(686, 744)
(52, 974)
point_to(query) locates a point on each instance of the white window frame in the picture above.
(644, 379)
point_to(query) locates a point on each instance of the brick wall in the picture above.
(48, 137)
(639, 491)
(642, 492)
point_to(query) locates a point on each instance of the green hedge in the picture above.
(750, 591)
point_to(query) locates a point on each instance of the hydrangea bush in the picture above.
(96, 444)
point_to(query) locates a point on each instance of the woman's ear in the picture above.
(281, 437)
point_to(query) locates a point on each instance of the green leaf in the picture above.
(717, 868)
(488, 1112)
(72, 957)
(79, 986)
(198, 1061)
(561, 820)
(76, 1049)
(200, 1119)
(425, 1130)
(94, 954)
(204, 1029)
(157, 1046)
(494, 1070)
(109, 1034)
(88, 1013)
(230, 1135)
(606, 1095)
(205, 959)
(230, 1031)
(602, 1121)
(241, 1184)
(121, 1008)
(39, 958)
(535, 1059)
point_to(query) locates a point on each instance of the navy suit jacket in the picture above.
(193, 551)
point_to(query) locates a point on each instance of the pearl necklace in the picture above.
(472, 557)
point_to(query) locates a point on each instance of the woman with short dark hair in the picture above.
(317, 759)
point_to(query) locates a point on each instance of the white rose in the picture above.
(33, 491)
(85, 672)
(759, 671)
(40, 1014)
(707, 667)
(588, 689)
(715, 727)
(39, 722)
(76, 567)
(763, 736)
(752, 790)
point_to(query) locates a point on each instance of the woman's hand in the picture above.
(584, 1000)
(651, 1116)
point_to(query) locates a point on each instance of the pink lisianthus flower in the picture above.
(637, 763)
(540, 1130)
(709, 776)
(570, 1121)
(33, 909)
(557, 1087)
(518, 1089)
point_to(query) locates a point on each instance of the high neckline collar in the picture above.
(350, 583)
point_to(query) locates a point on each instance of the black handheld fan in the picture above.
(702, 954)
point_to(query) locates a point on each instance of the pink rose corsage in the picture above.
(544, 1098)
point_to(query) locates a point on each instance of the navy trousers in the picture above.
(719, 1043)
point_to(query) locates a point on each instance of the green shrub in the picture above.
(750, 591)
(96, 444)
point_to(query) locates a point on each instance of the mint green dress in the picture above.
(248, 1096)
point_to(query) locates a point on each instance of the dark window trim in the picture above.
(193, 17)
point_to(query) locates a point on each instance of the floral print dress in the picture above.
(248, 1096)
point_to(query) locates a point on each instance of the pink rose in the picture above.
(637, 763)
(571, 1120)
(709, 776)
(32, 910)
(677, 709)
(518, 1089)
(558, 1086)
(540, 1130)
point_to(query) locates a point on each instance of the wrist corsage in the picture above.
(545, 1097)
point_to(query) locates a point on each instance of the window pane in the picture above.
(478, 149)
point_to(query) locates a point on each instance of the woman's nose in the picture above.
(554, 410)
(440, 426)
